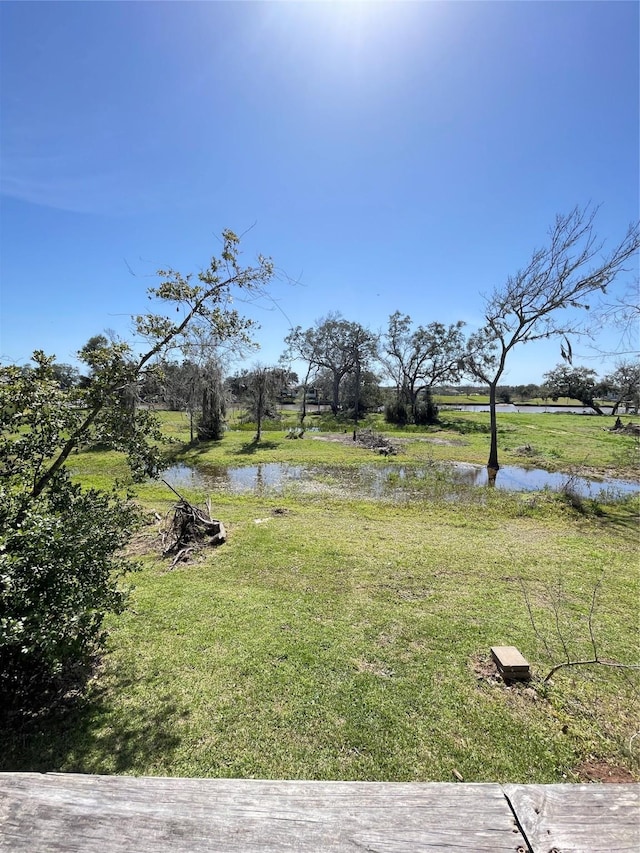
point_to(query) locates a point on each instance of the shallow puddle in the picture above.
(388, 481)
(512, 478)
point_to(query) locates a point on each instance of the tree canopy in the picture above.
(623, 384)
(336, 345)
(417, 359)
(577, 383)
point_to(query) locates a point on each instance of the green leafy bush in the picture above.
(426, 413)
(59, 572)
(396, 413)
(59, 544)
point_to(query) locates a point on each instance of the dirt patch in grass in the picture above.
(147, 540)
(374, 668)
(449, 442)
(525, 450)
(600, 770)
(485, 669)
(343, 438)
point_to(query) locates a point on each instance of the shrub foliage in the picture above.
(60, 545)
(59, 548)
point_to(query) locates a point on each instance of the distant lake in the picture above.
(523, 409)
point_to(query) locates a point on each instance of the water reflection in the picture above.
(250, 478)
(385, 481)
(512, 478)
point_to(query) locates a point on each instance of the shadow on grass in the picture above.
(76, 737)
(463, 426)
(180, 451)
(251, 447)
(202, 448)
(622, 516)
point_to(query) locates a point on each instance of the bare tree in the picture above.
(555, 601)
(309, 373)
(529, 306)
(181, 388)
(621, 312)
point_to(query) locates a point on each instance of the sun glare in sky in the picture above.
(361, 41)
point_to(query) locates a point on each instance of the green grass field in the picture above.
(334, 637)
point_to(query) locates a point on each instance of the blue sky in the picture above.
(393, 156)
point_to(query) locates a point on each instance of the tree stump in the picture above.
(190, 528)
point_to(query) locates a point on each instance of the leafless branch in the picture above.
(554, 606)
(591, 610)
(591, 661)
(596, 660)
(532, 620)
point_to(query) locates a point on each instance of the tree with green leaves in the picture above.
(60, 544)
(361, 392)
(417, 359)
(533, 303)
(213, 409)
(210, 355)
(335, 345)
(623, 385)
(576, 383)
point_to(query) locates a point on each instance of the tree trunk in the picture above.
(492, 464)
(335, 405)
(260, 406)
(412, 396)
(303, 410)
(593, 405)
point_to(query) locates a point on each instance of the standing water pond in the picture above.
(393, 482)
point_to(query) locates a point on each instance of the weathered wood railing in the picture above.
(113, 814)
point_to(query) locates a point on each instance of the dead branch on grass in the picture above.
(189, 528)
(376, 442)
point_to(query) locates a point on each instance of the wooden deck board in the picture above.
(82, 813)
(68, 813)
(578, 818)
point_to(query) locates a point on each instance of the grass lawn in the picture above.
(342, 638)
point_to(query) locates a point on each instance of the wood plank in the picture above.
(578, 818)
(510, 661)
(67, 813)
(508, 657)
